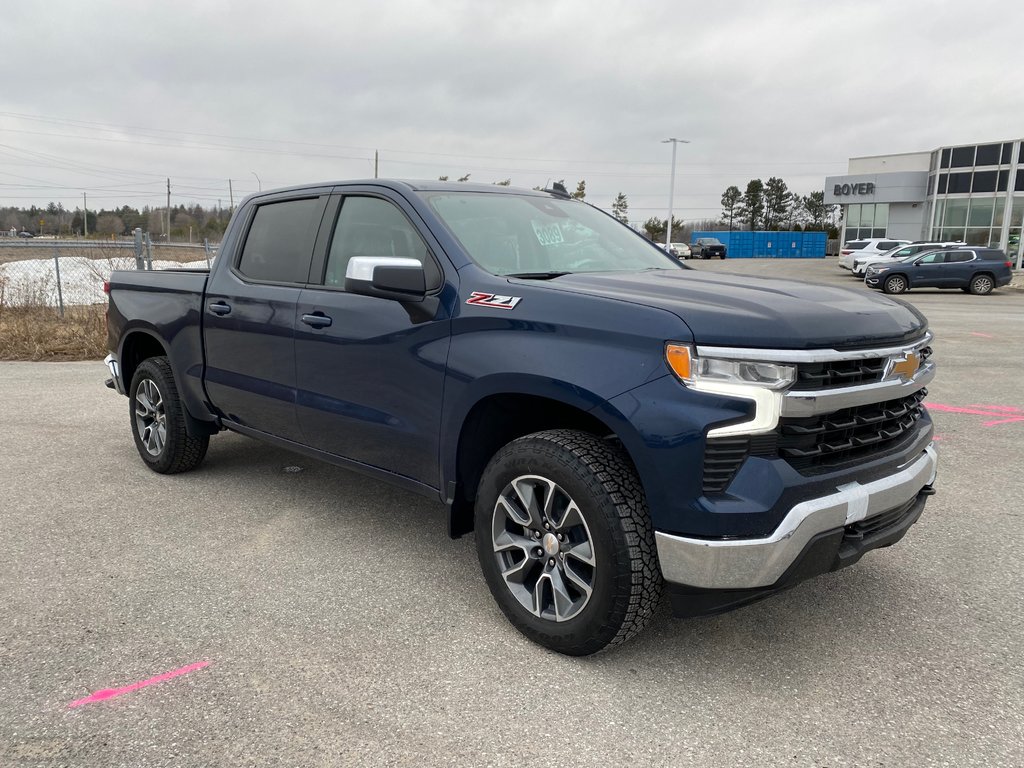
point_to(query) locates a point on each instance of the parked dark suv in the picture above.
(977, 270)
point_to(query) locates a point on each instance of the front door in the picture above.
(927, 272)
(371, 371)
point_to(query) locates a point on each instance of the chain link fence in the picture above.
(56, 273)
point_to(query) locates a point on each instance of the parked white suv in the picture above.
(862, 261)
(872, 247)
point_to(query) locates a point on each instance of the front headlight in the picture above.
(697, 371)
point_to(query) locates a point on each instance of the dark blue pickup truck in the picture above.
(609, 422)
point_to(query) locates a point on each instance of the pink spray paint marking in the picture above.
(1004, 414)
(938, 438)
(109, 693)
(982, 335)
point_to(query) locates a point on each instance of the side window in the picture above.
(370, 226)
(279, 244)
(905, 252)
(887, 245)
(960, 256)
(933, 258)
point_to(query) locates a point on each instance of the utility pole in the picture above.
(376, 161)
(168, 210)
(231, 195)
(85, 216)
(259, 184)
(672, 188)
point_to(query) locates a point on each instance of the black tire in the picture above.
(981, 285)
(598, 479)
(895, 284)
(168, 450)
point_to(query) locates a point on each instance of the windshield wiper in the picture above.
(537, 275)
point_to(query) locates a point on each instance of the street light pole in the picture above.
(672, 188)
(259, 183)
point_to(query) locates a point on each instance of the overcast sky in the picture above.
(110, 98)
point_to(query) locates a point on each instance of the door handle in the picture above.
(219, 308)
(317, 320)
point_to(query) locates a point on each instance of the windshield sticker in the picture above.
(493, 300)
(550, 234)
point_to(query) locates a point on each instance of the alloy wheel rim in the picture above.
(896, 285)
(150, 417)
(983, 285)
(543, 548)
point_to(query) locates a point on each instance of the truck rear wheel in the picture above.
(565, 541)
(158, 420)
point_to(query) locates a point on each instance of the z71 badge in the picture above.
(493, 300)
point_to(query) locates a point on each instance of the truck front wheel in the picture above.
(158, 420)
(566, 543)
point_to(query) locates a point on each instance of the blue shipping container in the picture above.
(770, 245)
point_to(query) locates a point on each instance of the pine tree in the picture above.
(620, 208)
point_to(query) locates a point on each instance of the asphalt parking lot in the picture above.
(339, 625)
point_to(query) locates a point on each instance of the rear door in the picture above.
(371, 371)
(249, 314)
(959, 269)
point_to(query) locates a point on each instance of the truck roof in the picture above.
(412, 185)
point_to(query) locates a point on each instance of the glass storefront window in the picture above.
(940, 207)
(977, 236)
(956, 213)
(945, 158)
(963, 157)
(959, 182)
(853, 216)
(867, 214)
(1017, 211)
(949, 235)
(881, 217)
(981, 212)
(988, 154)
(984, 181)
(997, 216)
(1013, 244)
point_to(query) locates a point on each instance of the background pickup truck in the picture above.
(708, 248)
(609, 422)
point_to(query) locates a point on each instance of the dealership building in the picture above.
(972, 192)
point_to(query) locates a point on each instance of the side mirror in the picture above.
(386, 277)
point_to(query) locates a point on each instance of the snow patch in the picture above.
(81, 279)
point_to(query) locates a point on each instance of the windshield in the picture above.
(533, 235)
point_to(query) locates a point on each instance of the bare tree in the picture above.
(109, 224)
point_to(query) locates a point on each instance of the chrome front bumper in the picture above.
(750, 563)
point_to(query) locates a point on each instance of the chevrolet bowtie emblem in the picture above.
(902, 367)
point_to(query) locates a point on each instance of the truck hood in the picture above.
(736, 310)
